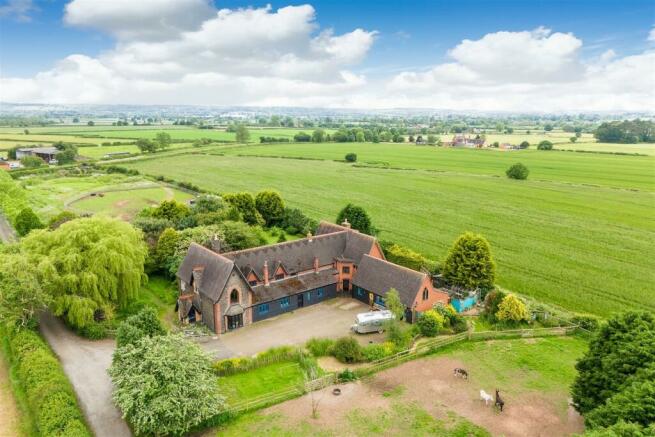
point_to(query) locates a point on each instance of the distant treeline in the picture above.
(628, 131)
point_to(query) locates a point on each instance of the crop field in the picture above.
(116, 195)
(642, 148)
(533, 138)
(593, 169)
(587, 248)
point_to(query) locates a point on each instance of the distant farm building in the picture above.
(508, 146)
(460, 140)
(46, 153)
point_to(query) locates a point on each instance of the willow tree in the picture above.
(88, 265)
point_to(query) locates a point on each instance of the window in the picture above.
(426, 294)
(279, 276)
(253, 283)
(263, 308)
(360, 292)
(319, 292)
(379, 300)
(308, 296)
(284, 302)
(345, 269)
(234, 296)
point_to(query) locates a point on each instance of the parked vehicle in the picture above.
(373, 321)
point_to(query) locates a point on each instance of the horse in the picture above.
(486, 397)
(461, 372)
(500, 403)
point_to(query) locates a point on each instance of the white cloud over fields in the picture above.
(188, 52)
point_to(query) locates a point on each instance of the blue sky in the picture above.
(412, 37)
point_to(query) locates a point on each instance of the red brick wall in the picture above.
(434, 296)
(376, 252)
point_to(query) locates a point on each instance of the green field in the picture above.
(121, 196)
(589, 248)
(261, 381)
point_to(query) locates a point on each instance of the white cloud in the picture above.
(262, 56)
(19, 10)
(651, 35)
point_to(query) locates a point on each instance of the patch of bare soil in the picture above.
(431, 383)
(331, 364)
(8, 410)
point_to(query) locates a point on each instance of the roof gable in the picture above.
(379, 276)
(216, 270)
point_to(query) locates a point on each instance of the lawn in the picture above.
(589, 248)
(159, 293)
(261, 381)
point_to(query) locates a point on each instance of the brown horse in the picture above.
(500, 403)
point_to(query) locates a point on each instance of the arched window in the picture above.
(234, 296)
(425, 294)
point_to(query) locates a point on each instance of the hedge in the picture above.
(50, 397)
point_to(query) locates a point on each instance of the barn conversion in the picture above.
(226, 291)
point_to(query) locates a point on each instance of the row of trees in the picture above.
(162, 141)
(627, 131)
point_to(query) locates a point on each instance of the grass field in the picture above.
(258, 382)
(587, 248)
(128, 195)
(593, 169)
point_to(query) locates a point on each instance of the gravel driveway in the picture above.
(85, 363)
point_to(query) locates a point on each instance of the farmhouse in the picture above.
(230, 290)
(46, 153)
(466, 141)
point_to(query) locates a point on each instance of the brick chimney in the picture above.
(266, 283)
(315, 264)
(345, 223)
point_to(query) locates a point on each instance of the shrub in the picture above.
(545, 145)
(492, 302)
(589, 323)
(26, 221)
(31, 162)
(270, 205)
(347, 376)
(517, 171)
(512, 309)
(347, 350)
(351, 157)
(398, 336)
(524, 145)
(373, 352)
(319, 347)
(430, 322)
(143, 324)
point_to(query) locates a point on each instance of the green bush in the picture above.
(545, 145)
(517, 171)
(347, 376)
(319, 347)
(50, 397)
(397, 335)
(280, 354)
(143, 324)
(347, 350)
(94, 331)
(589, 323)
(374, 352)
(351, 157)
(429, 323)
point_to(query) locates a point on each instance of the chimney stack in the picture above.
(315, 264)
(266, 283)
(345, 223)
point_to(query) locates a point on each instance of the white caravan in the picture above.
(373, 321)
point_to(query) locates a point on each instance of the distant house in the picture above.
(461, 140)
(226, 291)
(46, 153)
(508, 146)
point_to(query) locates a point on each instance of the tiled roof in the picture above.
(293, 285)
(379, 276)
(216, 270)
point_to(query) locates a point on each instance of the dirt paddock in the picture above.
(431, 384)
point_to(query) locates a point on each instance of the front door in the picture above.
(234, 322)
(346, 285)
(301, 301)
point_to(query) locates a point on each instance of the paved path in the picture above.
(85, 363)
(7, 233)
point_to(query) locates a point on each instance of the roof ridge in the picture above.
(193, 243)
(396, 265)
(284, 243)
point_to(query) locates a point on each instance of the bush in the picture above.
(347, 376)
(517, 171)
(398, 336)
(492, 302)
(524, 145)
(49, 396)
(319, 347)
(512, 309)
(430, 322)
(26, 221)
(274, 355)
(545, 145)
(590, 323)
(31, 162)
(143, 324)
(347, 350)
(351, 157)
(373, 352)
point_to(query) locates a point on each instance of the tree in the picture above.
(524, 145)
(432, 139)
(548, 127)
(21, 294)
(31, 162)
(347, 350)
(318, 136)
(239, 236)
(393, 304)
(469, 263)
(545, 145)
(245, 203)
(143, 324)
(270, 205)
(517, 171)
(11, 153)
(573, 139)
(351, 157)
(67, 152)
(242, 134)
(302, 137)
(512, 309)
(492, 302)
(88, 265)
(164, 385)
(162, 140)
(90, 123)
(358, 219)
(166, 246)
(619, 349)
(430, 322)
(27, 221)
(146, 146)
(171, 210)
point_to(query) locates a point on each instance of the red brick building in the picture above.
(229, 290)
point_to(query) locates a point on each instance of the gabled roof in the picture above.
(216, 270)
(329, 228)
(379, 276)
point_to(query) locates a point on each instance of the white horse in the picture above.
(486, 397)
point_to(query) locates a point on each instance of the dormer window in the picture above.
(252, 283)
(279, 276)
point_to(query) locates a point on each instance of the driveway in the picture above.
(331, 318)
(85, 363)
(7, 233)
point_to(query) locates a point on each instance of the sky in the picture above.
(538, 56)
